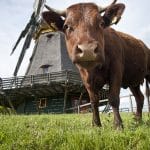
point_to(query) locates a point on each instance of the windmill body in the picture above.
(50, 55)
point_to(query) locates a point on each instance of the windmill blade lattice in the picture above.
(29, 31)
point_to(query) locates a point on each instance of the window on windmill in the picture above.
(42, 102)
(45, 68)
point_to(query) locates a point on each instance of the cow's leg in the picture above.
(89, 81)
(139, 101)
(94, 104)
(114, 101)
(96, 117)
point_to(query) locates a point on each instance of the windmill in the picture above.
(29, 31)
(52, 55)
(49, 60)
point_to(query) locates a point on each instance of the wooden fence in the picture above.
(21, 81)
(108, 109)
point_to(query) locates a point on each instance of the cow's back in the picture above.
(135, 60)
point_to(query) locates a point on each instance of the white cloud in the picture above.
(145, 34)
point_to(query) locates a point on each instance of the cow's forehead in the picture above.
(82, 7)
(82, 10)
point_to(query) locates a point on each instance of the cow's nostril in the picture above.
(79, 51)
(96, 50)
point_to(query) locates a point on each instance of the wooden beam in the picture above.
(66, 92)
(148, 102)
(131, 104)
(65, 98)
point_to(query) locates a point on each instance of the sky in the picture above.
(14, 15)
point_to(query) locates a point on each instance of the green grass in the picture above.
(72, 132)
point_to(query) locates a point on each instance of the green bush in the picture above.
(6, 110)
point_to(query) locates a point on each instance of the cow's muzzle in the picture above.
(87, 51)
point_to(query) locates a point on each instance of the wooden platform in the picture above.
(28, 88)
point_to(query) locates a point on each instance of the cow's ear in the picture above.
(113, 14)
(53, 20)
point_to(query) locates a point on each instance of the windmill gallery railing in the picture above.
(23, 81)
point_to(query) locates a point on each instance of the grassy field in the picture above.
(72, 132)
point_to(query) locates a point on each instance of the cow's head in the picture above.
(83, 25)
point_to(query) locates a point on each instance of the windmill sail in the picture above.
(25, 47)
(38, 7)
(22, 35)
(29, 31)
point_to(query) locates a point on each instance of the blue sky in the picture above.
(16, 13)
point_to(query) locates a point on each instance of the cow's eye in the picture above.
(101, 24)
(67, 28)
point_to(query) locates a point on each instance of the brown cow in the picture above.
(103, 55)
